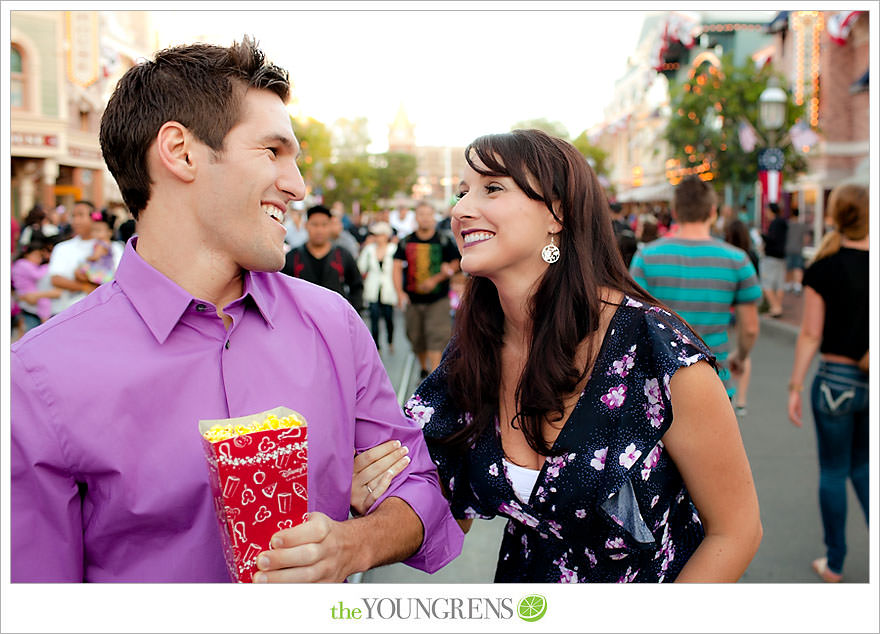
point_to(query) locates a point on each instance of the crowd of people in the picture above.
(382, 262)
(57, 262)
(548, 399)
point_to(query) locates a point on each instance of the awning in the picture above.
(778, 23)
(648, 193)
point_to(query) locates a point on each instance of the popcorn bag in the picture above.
(258, 468)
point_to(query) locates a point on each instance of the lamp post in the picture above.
(771, 159)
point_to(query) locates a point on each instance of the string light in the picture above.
(818, 25)
(798, 29)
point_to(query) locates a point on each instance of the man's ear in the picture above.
(174, 146)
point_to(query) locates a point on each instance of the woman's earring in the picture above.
(550, 253)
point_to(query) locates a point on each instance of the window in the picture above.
(17, 79)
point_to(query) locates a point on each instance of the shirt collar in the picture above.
(161, 302)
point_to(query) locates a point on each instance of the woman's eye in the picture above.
(460, 195)
(491, 189)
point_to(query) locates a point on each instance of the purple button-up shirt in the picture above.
(109, 480)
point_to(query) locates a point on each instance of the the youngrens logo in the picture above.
(529, 608)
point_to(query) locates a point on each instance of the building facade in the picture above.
(825, 56)
(64, 66)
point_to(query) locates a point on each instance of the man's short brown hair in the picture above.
(693, 200)
(201, 86)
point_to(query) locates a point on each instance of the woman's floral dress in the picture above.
(612, 506)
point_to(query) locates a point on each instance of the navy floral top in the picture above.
(612, 506)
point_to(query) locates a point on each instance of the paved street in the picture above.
(783, 461)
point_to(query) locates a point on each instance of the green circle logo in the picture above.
(532, 608)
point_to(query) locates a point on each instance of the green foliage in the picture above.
(553, 128)
(315, 145)
(354, 175)
(706, 111)
(355, 179)
(595, 155)
(369, 178)
(396, 172)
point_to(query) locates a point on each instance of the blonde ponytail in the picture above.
(848, 210)
(829, 246)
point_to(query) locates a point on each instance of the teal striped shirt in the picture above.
(700, 280)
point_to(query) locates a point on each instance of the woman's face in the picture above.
(499, 230)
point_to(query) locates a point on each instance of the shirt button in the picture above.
(227, 345)
(201, 308)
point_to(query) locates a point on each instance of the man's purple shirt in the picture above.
(109, 480)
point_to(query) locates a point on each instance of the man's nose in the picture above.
(291, 182)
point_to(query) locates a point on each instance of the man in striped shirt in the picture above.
(701, 278)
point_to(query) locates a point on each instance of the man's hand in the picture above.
(737, 364)
(318, 550)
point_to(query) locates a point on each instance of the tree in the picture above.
(707, 110)
(314, 142)
(553, 128)
(352, 180)
(595, 155)
(395, 172)
(350, 138)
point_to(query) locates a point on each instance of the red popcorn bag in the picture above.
(258, 468)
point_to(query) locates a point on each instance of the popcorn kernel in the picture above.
(218, 433)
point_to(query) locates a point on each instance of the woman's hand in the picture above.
(374, 470)
(794, 408)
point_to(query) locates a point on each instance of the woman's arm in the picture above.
(705, 444)
(812, 324)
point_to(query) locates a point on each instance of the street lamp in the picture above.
(771, 159)
(772, 105)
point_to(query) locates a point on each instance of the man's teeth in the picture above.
(477, 236)
(274, 213)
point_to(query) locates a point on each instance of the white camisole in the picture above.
(522, 479)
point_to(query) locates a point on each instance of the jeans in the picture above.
(379, 311)
(840, 409)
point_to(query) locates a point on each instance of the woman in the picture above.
(553, 403)
(737, 233)
(835, 322)
(376, 263)
(28, 276)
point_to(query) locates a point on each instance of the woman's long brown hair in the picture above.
(566, 304)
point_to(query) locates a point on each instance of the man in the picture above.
(431, 260)
(773, 262)
(295, 224)
(402, 220)
(701, 278)
(321, 262)
(627, 243)
(108, 479)
(795, 238)
(340, 236)
(68, 255)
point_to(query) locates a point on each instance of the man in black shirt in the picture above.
(627, 243)
(773, 264)
(321, 263)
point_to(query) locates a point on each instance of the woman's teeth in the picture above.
(478, 236)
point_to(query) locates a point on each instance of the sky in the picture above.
(458, 73)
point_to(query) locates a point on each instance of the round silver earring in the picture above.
(550, 253)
